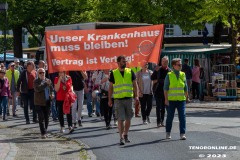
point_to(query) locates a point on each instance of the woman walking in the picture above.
(176, 94)
(4, 94)
(196, 79)
(145, 92)
(62, 85)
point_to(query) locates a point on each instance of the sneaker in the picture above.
(126, 139)
(79, 123)
(14, 115)
(162, 124)
(27, 122)
(122, 141)
(148, 119)
(168, 136)
(159, 125)
(145, 122)
(115, 123)
(108, 127)
(89, 115)
(55, 120)
(98, 115)
(43, 136)
(183, 137)
(137, 116)
(62, 130)
(35, 121)
(74, 125)
(71, 129)
(4, 118)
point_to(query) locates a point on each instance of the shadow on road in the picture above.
(215, 113)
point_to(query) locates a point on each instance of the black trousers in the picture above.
(61, 115)
(108, 111)
(29, 97)
(146, 105)
(160, 107)
(43, 117)
(195, 90)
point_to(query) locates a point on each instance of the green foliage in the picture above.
(9, 43)
(32, 42)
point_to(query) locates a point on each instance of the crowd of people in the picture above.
(109, 94)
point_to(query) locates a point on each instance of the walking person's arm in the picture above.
(166, 89)
(110, 92)
(135, 89)
(84, 75)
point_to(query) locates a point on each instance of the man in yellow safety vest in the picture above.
(123, 87)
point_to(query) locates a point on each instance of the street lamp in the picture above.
(3, 8)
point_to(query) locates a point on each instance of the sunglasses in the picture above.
(41, 72)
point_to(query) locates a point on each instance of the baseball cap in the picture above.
(16, 60)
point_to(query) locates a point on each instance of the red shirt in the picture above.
(31, 78)
(62, 93)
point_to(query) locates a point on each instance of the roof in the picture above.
(195, 50)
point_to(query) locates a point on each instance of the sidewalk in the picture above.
(23, 142)
(228, 105)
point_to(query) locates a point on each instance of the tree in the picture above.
(35, 16)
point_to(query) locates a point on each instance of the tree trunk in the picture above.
(17, 41)
(33, 35)
(217, 32)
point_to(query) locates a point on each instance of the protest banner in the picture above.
(73, 50)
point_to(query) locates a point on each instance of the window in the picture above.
(200, 32)
(7, 32)
(169, 30)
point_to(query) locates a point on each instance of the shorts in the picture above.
(124, 109)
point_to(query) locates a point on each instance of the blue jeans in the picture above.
(89, 102)
(180, 105)
(3, 105)
(54, 108)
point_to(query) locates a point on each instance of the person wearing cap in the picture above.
(13, 75)
(4, 93)
(17, 66)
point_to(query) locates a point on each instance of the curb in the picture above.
(90, 153)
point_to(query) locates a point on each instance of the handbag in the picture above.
(104, 92)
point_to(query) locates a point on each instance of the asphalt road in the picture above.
(205, 127)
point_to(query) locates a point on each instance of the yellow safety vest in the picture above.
(136, 69)
(123, 86)
(176, 87)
